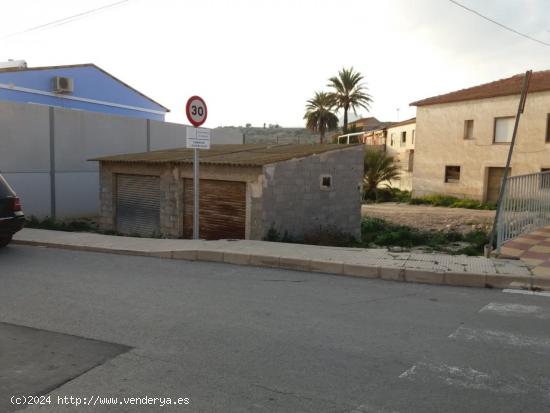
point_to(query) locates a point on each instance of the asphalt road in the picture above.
(244, 339)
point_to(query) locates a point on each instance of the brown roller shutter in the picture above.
(222, 209)
(138, 205)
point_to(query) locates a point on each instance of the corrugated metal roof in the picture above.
(237, 155)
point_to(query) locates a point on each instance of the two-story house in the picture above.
(400, 143)
(466, 134)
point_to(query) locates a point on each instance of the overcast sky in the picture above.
(257, 61)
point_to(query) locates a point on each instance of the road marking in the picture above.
(526, 292)
(368, 408)
(518, 310)
(502, 338)
(467, 378)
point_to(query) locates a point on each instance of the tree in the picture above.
(349, 93)
(319, 116)
(379, 167)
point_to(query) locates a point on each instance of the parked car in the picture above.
(11, 215)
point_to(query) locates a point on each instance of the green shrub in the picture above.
(441, 200)
(388, 195)
(378, 232)
(77, 225)
(451, 202)
(272, 234)
(329, 236)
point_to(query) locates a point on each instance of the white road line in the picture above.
(368, 408)
(468, 378)
(516, 310)
(536, 344)
(526, 292)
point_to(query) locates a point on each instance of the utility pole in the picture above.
(498, 214)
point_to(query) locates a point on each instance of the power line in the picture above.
(500, 24)
(66, 20)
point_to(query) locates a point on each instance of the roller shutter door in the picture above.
(222, 209)
(138, 205)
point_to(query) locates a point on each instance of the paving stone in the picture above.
(295, 264)
(425, 277)
(506, 281)
(236, 258)
(184, 255)
(264, 261)
(214, 256)
(361, 270)
(394, 273)
(329, 267)
(465, 279)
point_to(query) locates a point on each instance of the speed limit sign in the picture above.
(196, 111)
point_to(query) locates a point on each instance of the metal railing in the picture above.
(525, 206)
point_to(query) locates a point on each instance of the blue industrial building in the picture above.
(82, 87)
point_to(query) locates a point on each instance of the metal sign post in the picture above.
(196, 112)
(196, 191)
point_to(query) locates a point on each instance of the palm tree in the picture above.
(349, 92)
(379, 167)
(319, 116)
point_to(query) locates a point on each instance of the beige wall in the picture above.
(440, 132)
(402, 153)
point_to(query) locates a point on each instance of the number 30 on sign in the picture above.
(196, 111)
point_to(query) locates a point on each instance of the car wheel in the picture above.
(4, 241)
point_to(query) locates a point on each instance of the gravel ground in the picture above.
(428, 217)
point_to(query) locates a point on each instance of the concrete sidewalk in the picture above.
(427, 268)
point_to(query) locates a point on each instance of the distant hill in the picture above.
(268, 135)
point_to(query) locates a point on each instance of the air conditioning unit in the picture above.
(63, 84)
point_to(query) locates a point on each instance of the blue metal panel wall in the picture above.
(89, 83)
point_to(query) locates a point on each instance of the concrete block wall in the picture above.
(293, 200)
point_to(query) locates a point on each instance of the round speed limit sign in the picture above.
(196, 111)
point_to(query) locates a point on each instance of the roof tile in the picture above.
(540, 82)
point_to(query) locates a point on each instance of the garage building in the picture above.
(244, 191)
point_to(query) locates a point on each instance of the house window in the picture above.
(545, 178)
(452, 174)
(469, 129)
(403, 138)
(412, 137)
(326, 182)
(548, 128)
(391, 139)
(504, 127)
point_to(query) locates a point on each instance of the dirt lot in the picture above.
(431, 218)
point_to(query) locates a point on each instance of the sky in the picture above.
(258, 61)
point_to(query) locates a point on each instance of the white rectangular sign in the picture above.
(198, 138)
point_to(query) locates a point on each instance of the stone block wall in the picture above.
(294, 201)
(106, 199)
(171, 202)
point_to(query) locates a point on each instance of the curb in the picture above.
(401, 274)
